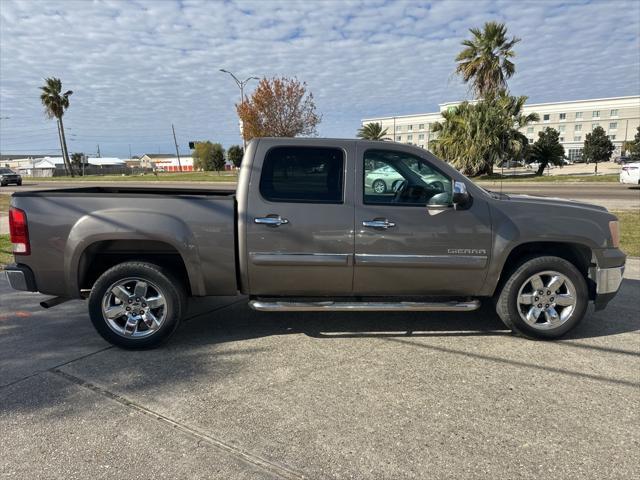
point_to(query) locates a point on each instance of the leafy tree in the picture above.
(77, 160)
(475, 137)
(235, 154)
(279, 107)
(55, 104)
(597, 147)
(207, 155)
(372, 131)
(485, 60)
(546, 150)
(634, 148)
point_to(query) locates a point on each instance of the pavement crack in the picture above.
(277, 469)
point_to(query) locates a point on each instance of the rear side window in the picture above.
(303, 174)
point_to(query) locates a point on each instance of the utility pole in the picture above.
(241, 85)
(176, 143)
(99, 151)
(129, 151)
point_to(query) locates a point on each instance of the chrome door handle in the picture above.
(275, 221)
(384, 224)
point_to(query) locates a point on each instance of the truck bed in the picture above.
(71, 228)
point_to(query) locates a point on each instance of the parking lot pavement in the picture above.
(242, 394)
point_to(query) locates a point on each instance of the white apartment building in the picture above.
(618, 116)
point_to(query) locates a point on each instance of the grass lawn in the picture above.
(149, 177)
(496, 177)
(629, 231)
(5, 251)
(4, 203)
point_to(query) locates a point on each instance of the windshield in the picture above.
(6, 171)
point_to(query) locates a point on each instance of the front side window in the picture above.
(303, 175)
(392, 177)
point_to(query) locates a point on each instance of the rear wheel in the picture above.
(544, 297)
(136, 305)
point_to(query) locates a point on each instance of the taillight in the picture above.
(18, 231)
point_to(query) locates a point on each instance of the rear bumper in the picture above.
(607, 282)
(21, 278)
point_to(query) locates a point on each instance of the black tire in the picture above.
(19, 183)
(160, 280)
(508, 308)
(379, 182)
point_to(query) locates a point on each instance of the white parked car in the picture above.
(630, 173)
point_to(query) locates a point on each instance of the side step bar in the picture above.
(290, 306)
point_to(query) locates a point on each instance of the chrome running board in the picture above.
(291, 306)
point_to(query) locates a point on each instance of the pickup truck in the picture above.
(310, 227)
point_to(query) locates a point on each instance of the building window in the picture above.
(410, 128)
(613, 125)
(409, 137)
(578, 114)
(575, 154)
(577, 127)
(398, 138)
(421, 126)
(562, 139)
(546, 117)
(421, 136)
(562, 128)
(594, 125)
(595, 114)
(563, 117)
(577, 138)
(614, 112)
(529, 129)
(611, 137)
(398, 128)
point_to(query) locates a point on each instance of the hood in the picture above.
(549, 201)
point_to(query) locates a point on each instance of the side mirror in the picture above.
(460, 195)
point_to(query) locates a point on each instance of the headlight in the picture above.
(614, 229)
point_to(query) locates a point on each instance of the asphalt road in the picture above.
(238, 394)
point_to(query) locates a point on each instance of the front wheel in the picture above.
(379, 187)
(136, 305)
(544, 298)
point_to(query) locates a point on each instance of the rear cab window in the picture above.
(303, 175)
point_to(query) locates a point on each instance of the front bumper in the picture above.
(607, 282)
(21, 278)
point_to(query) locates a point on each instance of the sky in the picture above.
(137, 67)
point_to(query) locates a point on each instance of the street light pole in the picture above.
(241, 85)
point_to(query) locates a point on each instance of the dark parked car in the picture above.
(8, 176)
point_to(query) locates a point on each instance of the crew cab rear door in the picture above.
(299, 221)
(402, 246)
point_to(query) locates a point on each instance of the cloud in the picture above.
(136, 67)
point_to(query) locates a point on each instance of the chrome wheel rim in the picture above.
(546, 300)
(379, 186)
(134, 307)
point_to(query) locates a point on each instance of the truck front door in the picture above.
(402, 246)
(299, 220)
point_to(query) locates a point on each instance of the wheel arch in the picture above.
(579, 255)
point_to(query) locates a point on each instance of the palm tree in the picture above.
(475, 137)
(55, 103)
(547, 149)
(485, 59)
(372, 131)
